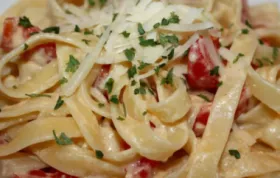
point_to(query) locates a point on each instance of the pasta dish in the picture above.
(140, 89)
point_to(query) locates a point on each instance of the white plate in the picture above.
(4, 4)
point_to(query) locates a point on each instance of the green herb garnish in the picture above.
(63, 139)
(130, 54)
(109, 85)
(53, 29)
(234, 153)
(72, 65)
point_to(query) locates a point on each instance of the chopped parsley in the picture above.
(168, 80)
(130, 54)
(88, 32)
(53, 29)
(86, 41)
(141, 90)
(144, 113)
(165, 39)
(38, 95)
(245, 31)
(109, 85)
(63, 139)
(24, 22)
(215, 71)
(114, 99)
(156, 25)
(91, 2)
(234, 153)
(141, 30)
(186, 53)
(267, 60)
(237, 58)
(125, 34)
(72, 65)
(59, 103)
(261, 42)
(99, 154)
(220, 83)
(115, 15)
(101, 105)
(260, 62)
(63, 81)
(120, 118)
(164, 22)
(133, 83)
(275, 53)
(204, 97)
(148, 42)
(171, 54)
(68, 12)
(132, 72)
(25, 47)
(102, 2)
(77, 28)
(248, 24)
(174, 18)
(151, 91)
(158, 68)
(143, 65)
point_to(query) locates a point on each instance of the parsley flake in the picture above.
(102, 2)
(63, 81)
(59, 103)
(260, 62)
(63, 139)
(140, 90)
(72, 65)
(164, 22)
(101, 105)
(125, 34)
(115, 15)
(114, 99)
(174, 18)
(215, 71)
(275, 53)
(245, 31)
(248, 24)
(220, 83)
(88, 32)
(144, 113)
(133, 83)
(267, 60)
(132, 72)
(109, 85)
(130, 54)
(25, 47)
(234, 153)
(261, 42)
(168, 80)
(141, 30)
(38, 95)
(148, 42)
(143, 65)
(91, 2)
(24, 22)
(171, 54)
(86, 41)
(237, 58)
(156, 25)
(99, 154)
(158, 68)
(204, 97)
(77, 28)
(165, 39)
(120, 118)
(53, 29)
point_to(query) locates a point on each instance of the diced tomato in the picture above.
(146, 161)
(28, 31)
(104, 72)
(124, 145)
(199, 68)
(51, 173)
(9, 28)
(203, 115)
